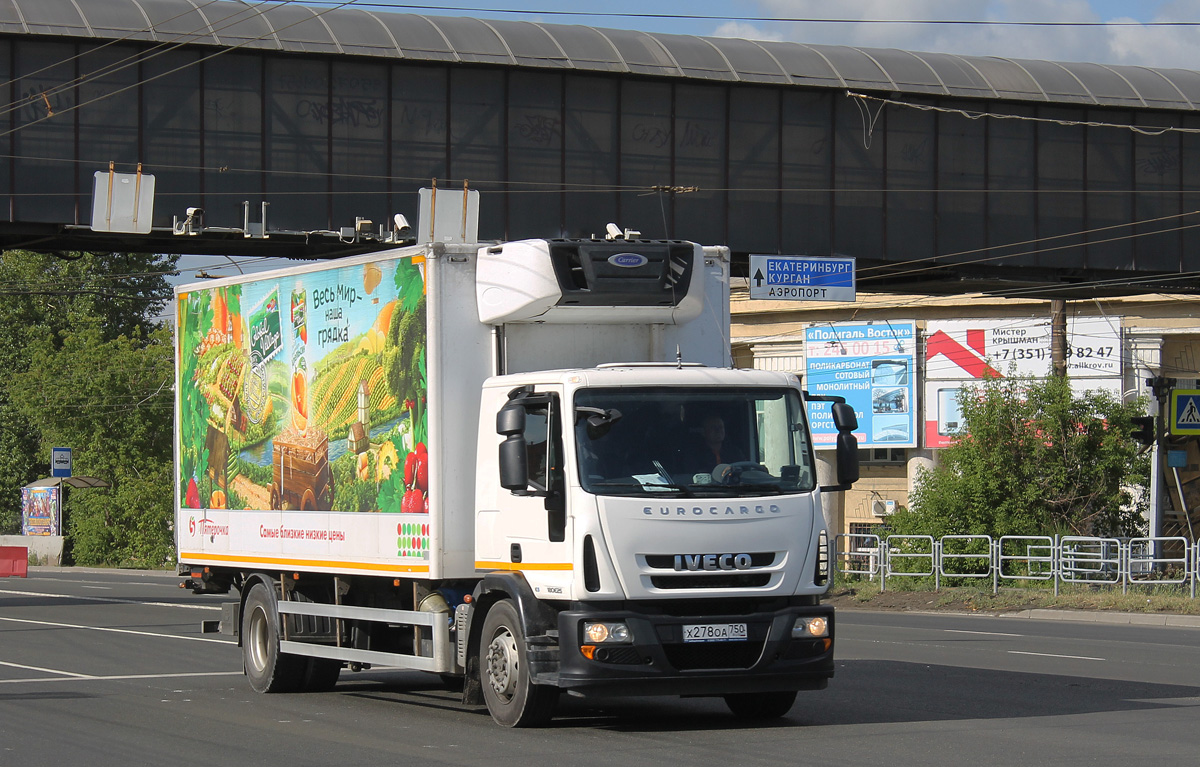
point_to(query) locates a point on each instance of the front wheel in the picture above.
(761, 705)
(512, 698)
(268, 669)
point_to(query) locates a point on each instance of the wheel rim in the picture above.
(503, 664)
(257, 639)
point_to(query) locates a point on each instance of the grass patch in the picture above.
(916, 594)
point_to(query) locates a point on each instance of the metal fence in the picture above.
(1074, 559)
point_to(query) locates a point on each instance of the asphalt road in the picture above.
(110, 668)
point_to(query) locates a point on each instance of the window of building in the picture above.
(878, 455)
(864, 528)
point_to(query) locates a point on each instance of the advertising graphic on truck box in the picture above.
(305, 393)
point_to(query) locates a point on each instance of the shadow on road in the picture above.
(864, 692)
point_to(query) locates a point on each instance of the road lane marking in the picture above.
(1052, 655)
(119, 677)
(981, 633)
(45, 670)
(97, 588)
(116, 630)
(109, 599)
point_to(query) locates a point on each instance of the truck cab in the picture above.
(667, 518)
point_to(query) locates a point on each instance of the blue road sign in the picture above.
(60, 461)
(802, 278)
(1185, 411)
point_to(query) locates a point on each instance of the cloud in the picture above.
(747, 31)
(1142, 45)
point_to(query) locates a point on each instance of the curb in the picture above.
(1120, 619)
(104, 571)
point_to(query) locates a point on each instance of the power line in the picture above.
(1036, 240)
(974, 115)
(781, 19)
(116, 41)
(160, 75)
(158, 49)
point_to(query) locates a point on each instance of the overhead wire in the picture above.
(782, 19)
(115, 41)
(160, 75)
(971, 114)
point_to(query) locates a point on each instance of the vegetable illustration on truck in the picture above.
(488, 462)
(308, 400)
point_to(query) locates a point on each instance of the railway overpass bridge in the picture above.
(285, 124)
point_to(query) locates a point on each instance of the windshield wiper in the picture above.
(736, 489)
(633, 484)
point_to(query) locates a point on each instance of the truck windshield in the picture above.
(659, 441)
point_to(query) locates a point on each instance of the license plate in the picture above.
(715, 632)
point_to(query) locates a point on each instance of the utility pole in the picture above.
(1058, 336)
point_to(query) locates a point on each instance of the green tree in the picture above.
(84, 363)
(1034, 458)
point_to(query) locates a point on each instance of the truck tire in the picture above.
(268, 669)
(321, 674)
(761, 705)
(512, 698)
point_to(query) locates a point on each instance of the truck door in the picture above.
(532, 514)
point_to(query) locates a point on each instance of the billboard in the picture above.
(40, 513)
(873, 366)
(959, 353)
(305, 392)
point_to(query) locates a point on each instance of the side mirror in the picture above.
(514, 460)
(847, 458)
(844, 417)
(846, 422)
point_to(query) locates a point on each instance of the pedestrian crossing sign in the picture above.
(1185, 411)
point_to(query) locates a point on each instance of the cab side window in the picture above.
(543, 446)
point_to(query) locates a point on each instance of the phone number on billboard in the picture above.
(1080, 352)
(850, 348)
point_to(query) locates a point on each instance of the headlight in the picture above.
(601, 633)
(807, 628)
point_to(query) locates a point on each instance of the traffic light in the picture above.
(1143, 429)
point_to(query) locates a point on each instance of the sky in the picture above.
(1105, 43)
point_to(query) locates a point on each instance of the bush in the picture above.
(1034, 459)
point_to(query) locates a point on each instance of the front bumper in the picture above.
(659, 662)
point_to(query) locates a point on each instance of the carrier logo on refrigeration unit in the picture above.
(628, 260)
(684, 562)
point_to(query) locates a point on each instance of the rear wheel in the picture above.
(321, 674)
(508, 689)
(761, 705)
(268, 669)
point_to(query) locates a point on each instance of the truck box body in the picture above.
(270, 371)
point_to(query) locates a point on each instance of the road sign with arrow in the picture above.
(802, 278)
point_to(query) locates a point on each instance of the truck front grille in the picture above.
(715, 581)
(713, 655)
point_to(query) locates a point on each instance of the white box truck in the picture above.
(527, 466)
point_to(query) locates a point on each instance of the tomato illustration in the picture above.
(193, 494)
(421, 475)
(410, 469)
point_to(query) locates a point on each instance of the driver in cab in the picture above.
(715, 450)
